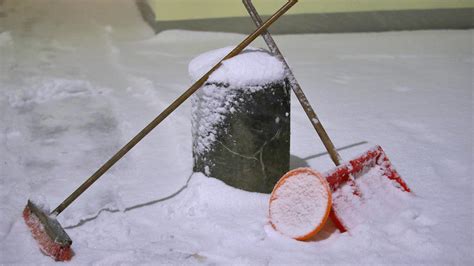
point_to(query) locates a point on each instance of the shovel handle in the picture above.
(336, 158)
(107, 165)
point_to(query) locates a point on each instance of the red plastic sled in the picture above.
(348, 173)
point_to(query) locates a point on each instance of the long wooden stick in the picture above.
(336, 158)
(107, 165)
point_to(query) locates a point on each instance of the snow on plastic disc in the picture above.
(299, 203)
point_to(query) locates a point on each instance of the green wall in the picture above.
(172, 10)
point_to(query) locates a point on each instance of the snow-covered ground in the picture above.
(79, 78)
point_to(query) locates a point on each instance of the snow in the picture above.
(381, 200)
(299, 204)
(78, 79)
(5, 38)
(210, 106)
(251, 67)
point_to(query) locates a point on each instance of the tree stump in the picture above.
(241, 119)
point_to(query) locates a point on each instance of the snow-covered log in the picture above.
(241, 119)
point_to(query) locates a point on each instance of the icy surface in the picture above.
(299, 205)
(79, 78)
(251, 67)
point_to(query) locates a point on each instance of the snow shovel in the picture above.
(47, 231)
(345, 174)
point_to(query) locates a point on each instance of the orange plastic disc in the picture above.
(300, 204)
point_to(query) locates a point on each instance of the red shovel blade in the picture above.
(360, 180)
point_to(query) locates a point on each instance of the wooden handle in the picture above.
(336, 158)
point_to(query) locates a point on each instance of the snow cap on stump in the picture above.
(251, 67)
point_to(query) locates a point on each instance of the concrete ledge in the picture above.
(373, 21)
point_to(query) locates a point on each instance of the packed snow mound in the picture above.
(251, 67)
